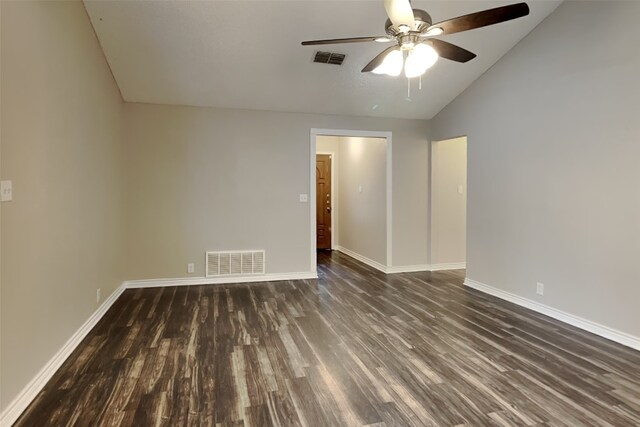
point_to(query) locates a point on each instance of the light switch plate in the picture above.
(6, 191)
(460, 189)
(304, 198)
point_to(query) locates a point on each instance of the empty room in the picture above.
(319, 213)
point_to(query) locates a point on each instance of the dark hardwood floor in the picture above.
(356, 347)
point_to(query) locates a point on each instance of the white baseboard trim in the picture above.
(37, 383)
(362, 258)
(587, 325)
(190, 281)
(400, 268)
(449, 266)
(408, 268)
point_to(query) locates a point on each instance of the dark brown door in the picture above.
(323, 201)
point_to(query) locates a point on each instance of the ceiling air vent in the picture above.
(329, 58)
(235, 263)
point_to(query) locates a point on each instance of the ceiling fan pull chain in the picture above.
(408, 88)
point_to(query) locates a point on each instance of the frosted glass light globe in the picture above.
(420, 59)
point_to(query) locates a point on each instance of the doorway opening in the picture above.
(325, 193)
(449, 204)
(350, 195)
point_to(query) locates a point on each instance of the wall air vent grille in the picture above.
(235, 263)
(329, 58)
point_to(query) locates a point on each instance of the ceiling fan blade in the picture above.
(400, 12)
(338, 41)
(451, 51)
(378, 60)
(482, 19)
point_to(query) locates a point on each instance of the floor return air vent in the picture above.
(235, 263)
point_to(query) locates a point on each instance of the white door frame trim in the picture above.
(334, 164)
(312, 184)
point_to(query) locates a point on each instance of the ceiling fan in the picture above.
(412, 34)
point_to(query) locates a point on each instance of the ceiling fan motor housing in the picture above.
(422, 19)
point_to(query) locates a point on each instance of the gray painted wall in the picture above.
(448, 206)
(554, 145)
(63, 233)
(363, 214)
(215, 179)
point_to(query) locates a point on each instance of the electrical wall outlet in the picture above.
(191, 268)
(540, 288)
(304, 198)
(98, 295)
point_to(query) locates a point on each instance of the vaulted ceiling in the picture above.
(247, 54)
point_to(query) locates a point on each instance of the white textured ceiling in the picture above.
(247, 54)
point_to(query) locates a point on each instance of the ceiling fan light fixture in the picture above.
(412, 31)
(419, 60)
(391, 65)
